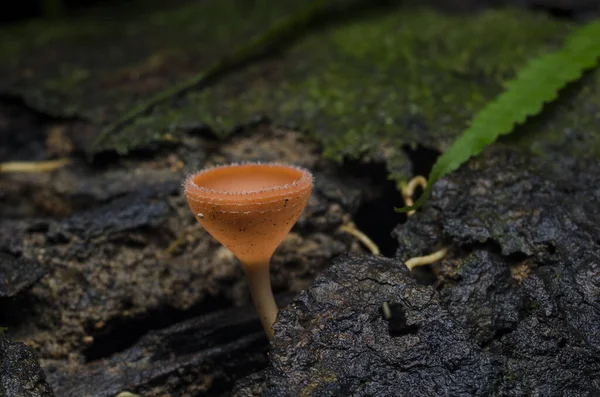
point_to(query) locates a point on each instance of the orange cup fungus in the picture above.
(250, 208)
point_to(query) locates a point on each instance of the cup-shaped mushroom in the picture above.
(249, 208)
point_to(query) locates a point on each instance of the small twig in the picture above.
(176, 243)
(33, 166)
(426, 260)
(350, 228)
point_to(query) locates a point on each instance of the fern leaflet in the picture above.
(535, 84)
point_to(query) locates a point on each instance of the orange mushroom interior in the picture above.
(257, 178)
(249, 208)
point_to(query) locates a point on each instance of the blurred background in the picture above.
(27, 9)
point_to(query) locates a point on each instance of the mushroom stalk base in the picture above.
(259, 281)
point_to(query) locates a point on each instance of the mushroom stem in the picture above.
(259, 281)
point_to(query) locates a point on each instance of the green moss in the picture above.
(411, 77)
(98, 66)
(369, 86)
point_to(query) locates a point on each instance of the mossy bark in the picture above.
(363, 85)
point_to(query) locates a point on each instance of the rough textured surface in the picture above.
(332, 340)
(157, 48)
(17, 274)
(516, 297)
(514, 310)
(201, 356)
(411, 77)
(298, 88)
(20, 372)
(129, 249)
(430, 75)
(531, 287)
(522, 204)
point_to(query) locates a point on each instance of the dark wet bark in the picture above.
(20, 372)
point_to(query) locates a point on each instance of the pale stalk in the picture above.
(259, 281)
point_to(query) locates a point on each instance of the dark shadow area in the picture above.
(120, 336)
(422, 159)
(424, 275)
(376, 216)
(561, 13)
(395, 315)
(22, 130)
(16, 311)
(21, 11)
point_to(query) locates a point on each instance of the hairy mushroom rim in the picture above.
(249, 208)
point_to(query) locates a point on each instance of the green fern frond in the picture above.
(536, 84)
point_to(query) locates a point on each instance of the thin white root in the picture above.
(350, 228)
(426, 260)
(33, 166)
(387, 310)
(409, 189)
(407, 192)
(176, 243)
